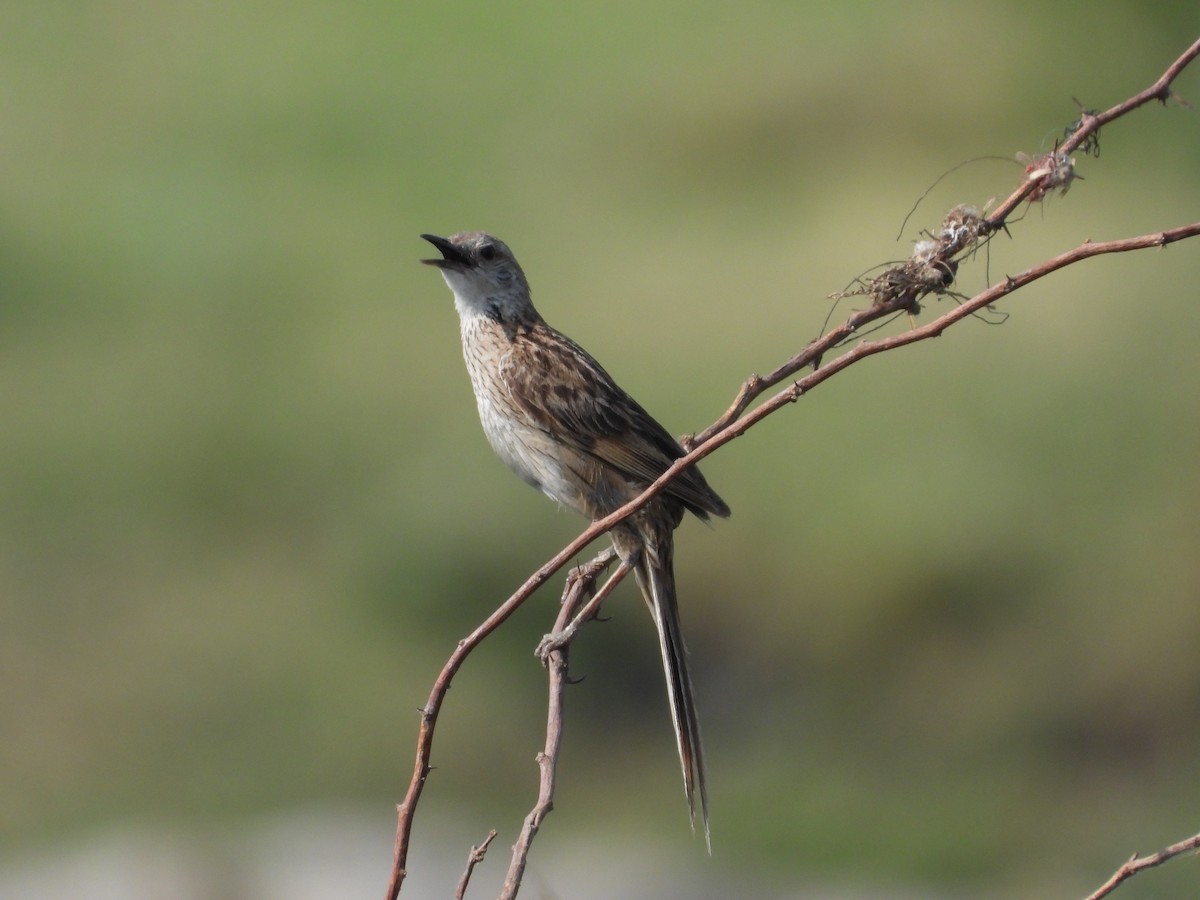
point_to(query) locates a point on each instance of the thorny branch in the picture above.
(931, 269)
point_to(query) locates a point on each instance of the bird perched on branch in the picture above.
(559, 421)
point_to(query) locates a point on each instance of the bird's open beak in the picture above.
(452, 257)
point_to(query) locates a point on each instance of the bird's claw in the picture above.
(555, 640)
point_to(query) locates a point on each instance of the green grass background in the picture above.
(951, 635)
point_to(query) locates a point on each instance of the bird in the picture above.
(557, 419)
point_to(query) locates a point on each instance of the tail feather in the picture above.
(655, 575)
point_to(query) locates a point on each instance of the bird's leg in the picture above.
(558, 639)
(581, 579)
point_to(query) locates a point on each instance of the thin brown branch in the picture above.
(1160, 91)
(1139, 864)
(581, 583)
(474, 858)
(987, 297)
(1090, 124)
(429, 714)
(735, 421)
(756, 385)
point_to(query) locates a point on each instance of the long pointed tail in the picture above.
(656, 577)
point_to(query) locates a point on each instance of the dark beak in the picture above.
(452, 257)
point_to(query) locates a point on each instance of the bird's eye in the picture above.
(487, 252)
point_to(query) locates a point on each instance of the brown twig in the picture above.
(429, 714)
(756, 385)
(1089, 125)
(580, 584)
(474, 858)
(902, 291)
(1138, 864)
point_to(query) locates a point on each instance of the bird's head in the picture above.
(482, 272)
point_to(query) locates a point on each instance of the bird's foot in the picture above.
(556, 640)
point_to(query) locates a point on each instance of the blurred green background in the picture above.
(949, 642)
